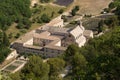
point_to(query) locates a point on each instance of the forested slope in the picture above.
(13, 11)
(4, 43)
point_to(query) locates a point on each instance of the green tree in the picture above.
(13, 11)
(64, 18)
(15, 76)
(1, 38)
(20, 25)
(79, 64)
(112, 21)
(73, 13)
(5, 39)
(70, 52)
(45, 18)
(56, 66)
(60, 11)
(35, 69)
(111, 5)
(100, 26)
(106, 66)
(4, 43)
(17, 35)
(74, 10)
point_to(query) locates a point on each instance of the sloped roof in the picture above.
(25, 37)
(77, 31)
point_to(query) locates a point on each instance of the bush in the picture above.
(17, 35)
(23, 31)
(74, 10)
(64, 18)
(20, 26)
(45, 18)
(73, 13)
(60, 11)
(111, 5)
(10, 35)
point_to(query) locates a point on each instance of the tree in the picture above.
(70, 52)
(79, 64)
(111, 5)
(56, 66)
(106, 66)
(117, 11)
(4, 43)
(35, 69)
(26, 23)
(15, 76)
(20, 25)
(17, 35)
(45, 18)
(73, 13)
(1, 38)
(64, 18)
(112, 21)
(60, 11)
(5, 39)
(74, 10)
(100, 26)
(13, 11)
(39, 20)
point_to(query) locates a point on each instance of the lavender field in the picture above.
(63, 2)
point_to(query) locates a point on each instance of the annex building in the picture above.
(51, 41)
